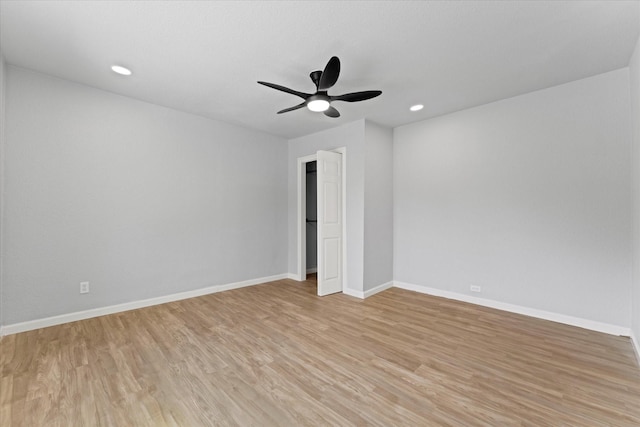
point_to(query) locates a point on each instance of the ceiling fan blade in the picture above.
(357, 96)
(286, 110)
(331, 112)
(330, 74)
(286, 89)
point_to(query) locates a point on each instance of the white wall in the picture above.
(351, 136)
(634, 73)
(528, 197)
(378, 206)
(140, 200)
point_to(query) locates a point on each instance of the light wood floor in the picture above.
(276, 354)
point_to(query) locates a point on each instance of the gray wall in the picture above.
(378, 206)
(634, 72)
(351, 136)
(528, 197)
(2, 144)
(140, 200)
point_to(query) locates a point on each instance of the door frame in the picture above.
(302, 214)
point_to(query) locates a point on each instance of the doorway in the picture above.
(327, 225)
(312, 218)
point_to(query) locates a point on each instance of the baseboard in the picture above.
(118, 308)
(532, 312)
(293, 276)
(377, 289)
(370, 292)
(312, 270)
(102, 311)
(353, 293)
(635, 343)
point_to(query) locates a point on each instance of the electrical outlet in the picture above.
(475, 288)
(84, 287)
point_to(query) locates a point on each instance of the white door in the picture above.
(329, 176)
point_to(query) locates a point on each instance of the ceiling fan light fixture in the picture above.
(416, 107)
(121, 70)
(318, 105)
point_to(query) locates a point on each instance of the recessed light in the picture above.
(417, 107)
(121, 70)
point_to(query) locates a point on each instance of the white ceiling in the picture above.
(204, 57)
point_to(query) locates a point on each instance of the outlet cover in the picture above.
(84, 287)
(475, 288)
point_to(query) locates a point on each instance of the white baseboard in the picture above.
(312, 270)
(353, 293)
(102, 311)
(293, 276)
(541, 314)
(377, 289)
(635, 343)
(370, 292)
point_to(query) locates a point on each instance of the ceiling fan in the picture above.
(321, 100)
